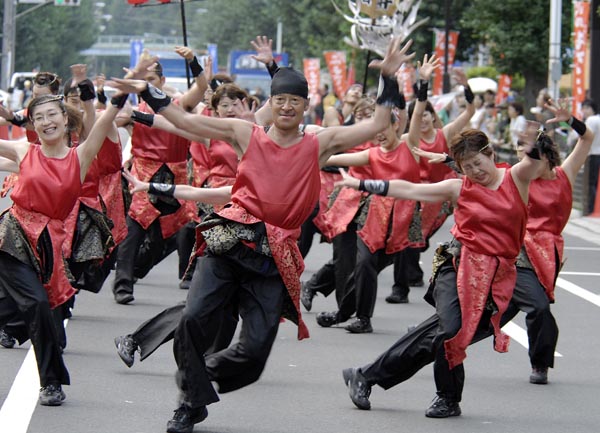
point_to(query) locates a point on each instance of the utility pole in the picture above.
(9, 32)
(8, 42)
(554, 60)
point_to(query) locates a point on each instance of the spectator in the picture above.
(592, 121)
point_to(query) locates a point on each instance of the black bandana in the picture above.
(288, 80)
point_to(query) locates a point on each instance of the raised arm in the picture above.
(87, 95)
(426, 69)
(159, 122)
(88, 149)
(531, 166)
(458, 124)
(230, 130)
(195, 94)
(573, 163)
(337, 139)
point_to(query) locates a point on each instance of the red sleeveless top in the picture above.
(490, 222)
(435, 172)
(155, 144)
(109, 158)
(278, 185)
(223, 163)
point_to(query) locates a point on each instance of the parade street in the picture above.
(302, 390)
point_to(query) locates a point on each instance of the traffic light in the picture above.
(67, 2)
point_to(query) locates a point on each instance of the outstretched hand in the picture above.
(264, 49)
(78, 73)
(145, 63)
(245, 110)
(460, 76)
(559, 109)
(136, 185)
(394, 57)
(126, 85)
(347, 180)
(185, 52)
(433, 157)
(529, 137)
(429, 65)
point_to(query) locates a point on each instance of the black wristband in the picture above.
(86, 90)
(422, 92)
(379, 187)
(18, 120)
(155, 98)
(143, 118)
(389, 92)
(101, 97)
(272, 67)
(119, 100)
(401, 102)
(195, 67)
(469, 96)
(161, 189)
(577, 125)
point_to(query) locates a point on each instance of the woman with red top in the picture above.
(250, 248)
(33, 278)
(475, 277)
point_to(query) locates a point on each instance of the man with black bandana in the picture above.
(250, 248)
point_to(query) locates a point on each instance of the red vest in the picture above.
(278, 185)
(223, 163)
(155, 144)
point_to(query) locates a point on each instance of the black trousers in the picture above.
(361, 291)
(334, 274)
(307, 232)
(255, 281)
(593, 168)
(424, 344)
(24, 296)
(186, 238)
(408, 263)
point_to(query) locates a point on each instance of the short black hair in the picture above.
(590, 103)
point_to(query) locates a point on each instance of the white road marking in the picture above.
(583, 274)
(583, 248)
(578, 291)
(519, 334)
(18, 407)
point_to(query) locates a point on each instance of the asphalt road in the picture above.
(301, 390)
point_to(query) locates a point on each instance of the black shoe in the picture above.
(327, 319)
(126, 347)
(358, 388)
(7, 341)
(417, 283)
(52, 395)
(184, 419)
(539, 375)
(123, 297)
(362, 325)
(306, 296)
(185, 284)
(397, 298)
(441, 407)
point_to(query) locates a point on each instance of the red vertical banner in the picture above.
(504, 83)
(336, 64)
(581, 16)
(407, 75)
(312, 72)
(440, 47)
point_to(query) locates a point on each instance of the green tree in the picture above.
(517, 33)
(50, 38)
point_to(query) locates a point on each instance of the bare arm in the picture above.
(402, 189)
(195, 94)
(349, 159)
(14, 150)
(425, 71)
(79, 74)
(214, 196)
(8, 165)
(454, 127)
(528, 168)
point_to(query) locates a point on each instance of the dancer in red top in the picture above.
(251, 250)
(33, 277)
(474, 282)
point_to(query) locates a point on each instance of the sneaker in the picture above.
(126, 347)
(306, 296)
(417, 283)
(184, 419)
(441, 407)
(358, 388)
(52, 395)
(362, 325)
(539, 375)
(397, 298)
(327, 319)
(6, 340)
(185, 284)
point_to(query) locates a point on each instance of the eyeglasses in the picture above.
(52, 116)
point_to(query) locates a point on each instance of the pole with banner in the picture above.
(581, 16)
(336, 64)
(440, 53)
(504, 83)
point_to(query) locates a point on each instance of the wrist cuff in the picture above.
(195, 67)
(156, 98)
(161, 189)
